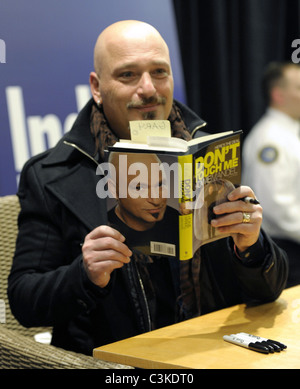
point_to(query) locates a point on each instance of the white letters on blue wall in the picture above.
(46, 55)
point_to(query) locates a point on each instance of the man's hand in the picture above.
(104, 251)
(230, 218)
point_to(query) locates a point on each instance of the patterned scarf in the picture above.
(104, 136)
(189, 300)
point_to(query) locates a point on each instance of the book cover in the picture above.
(161, 190)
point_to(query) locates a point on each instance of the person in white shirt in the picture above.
(271, 160)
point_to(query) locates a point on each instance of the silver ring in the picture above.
(246, 217)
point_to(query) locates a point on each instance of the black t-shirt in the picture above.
(162, 295)
(164, 231)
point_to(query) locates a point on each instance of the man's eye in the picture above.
(142, 186)
(138, 186)
(160, 73)
(126, 75)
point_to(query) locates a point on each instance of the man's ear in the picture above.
(277, 95)
(94, 86)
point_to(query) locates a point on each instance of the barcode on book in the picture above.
(163, 248)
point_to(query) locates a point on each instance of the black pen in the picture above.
(255, 346)
(272, 347)
(269, 341)
(250, 200)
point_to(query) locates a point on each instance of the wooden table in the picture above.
(198, 343)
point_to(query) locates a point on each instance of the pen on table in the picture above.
(255, 346)
(269, 341)
(250, 200)
(272, 347)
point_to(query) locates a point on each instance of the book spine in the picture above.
(185, 200)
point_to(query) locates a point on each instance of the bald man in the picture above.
(145, 201)
(141, 212)
(133, 76)
(74, 271)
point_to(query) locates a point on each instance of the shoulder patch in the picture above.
(268, 154)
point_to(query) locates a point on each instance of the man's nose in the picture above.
(154, 200)
(146, 85)
(155, 195)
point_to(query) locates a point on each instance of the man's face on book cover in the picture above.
(146, 200)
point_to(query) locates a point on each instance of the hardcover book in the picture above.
(161, 190)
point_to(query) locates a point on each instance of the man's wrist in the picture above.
(253, 254)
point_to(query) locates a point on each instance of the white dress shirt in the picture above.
(271, 167)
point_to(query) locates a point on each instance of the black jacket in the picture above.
(48, 285)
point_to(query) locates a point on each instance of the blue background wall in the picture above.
(48, 58)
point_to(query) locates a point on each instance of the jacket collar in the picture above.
(193, 122)
(79, 137)
(76, 189)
